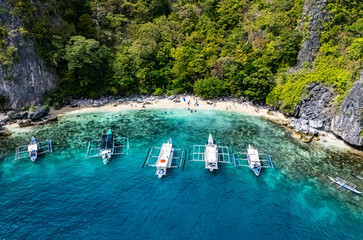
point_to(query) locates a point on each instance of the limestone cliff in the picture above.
(25, 81)
(313, 16)
(349, 122)
(315, 113)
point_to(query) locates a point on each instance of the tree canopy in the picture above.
(207, 47)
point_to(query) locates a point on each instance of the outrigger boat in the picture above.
(166, 157)
(108, 146)
(252, 160)
(33, 149)
(345, 184)
(210, 153)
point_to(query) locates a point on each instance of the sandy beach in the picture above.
(326, 139)
(246, 108)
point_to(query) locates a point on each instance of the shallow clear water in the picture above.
(63, 196)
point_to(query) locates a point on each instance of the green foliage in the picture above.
(85, 26)
(209, 87)
(209, 47)
(158, 91)
(8, 53)
(31, 109)
(56, 97)
(291, 89)
(337, 64)
(355, 50)
(87, 61)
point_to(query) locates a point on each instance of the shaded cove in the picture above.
(63, 195)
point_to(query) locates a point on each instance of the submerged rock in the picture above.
(24, 123)
(307, 138)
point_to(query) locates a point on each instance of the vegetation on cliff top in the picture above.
(337, 63)
(207, 47)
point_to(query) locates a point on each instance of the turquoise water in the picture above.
(64, 196)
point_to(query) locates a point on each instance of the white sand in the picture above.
(165, 103)
(329, 140)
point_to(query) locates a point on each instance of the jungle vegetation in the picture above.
(206, 47)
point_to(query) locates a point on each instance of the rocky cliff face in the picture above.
(315, 113)
(26, 81)
(313, 16)
(349, 122)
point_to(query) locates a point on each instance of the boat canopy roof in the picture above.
(211, 154)
(32, 147)
(107, 141)
(165, 155)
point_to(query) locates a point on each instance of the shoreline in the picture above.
(246, 107)
(324, 139)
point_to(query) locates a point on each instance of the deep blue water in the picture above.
(64, 196)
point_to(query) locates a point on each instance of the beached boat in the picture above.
(254, 160)
(211, 155)
(33, 149)
(108, 146)
(166, 157)
(345, 184)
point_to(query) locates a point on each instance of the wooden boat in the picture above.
(211, 155)
(345, 184)
(108, 146)
(165, 158)
(33, 149)
(254, 160)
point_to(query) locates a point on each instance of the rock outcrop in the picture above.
(26, 81)
(313, 15)
(314, 113)
(348, 124)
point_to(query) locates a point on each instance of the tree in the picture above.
(85, 26)
(124, 80)
(88, 62)
(209, 87)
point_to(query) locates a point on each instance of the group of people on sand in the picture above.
(196, 104)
